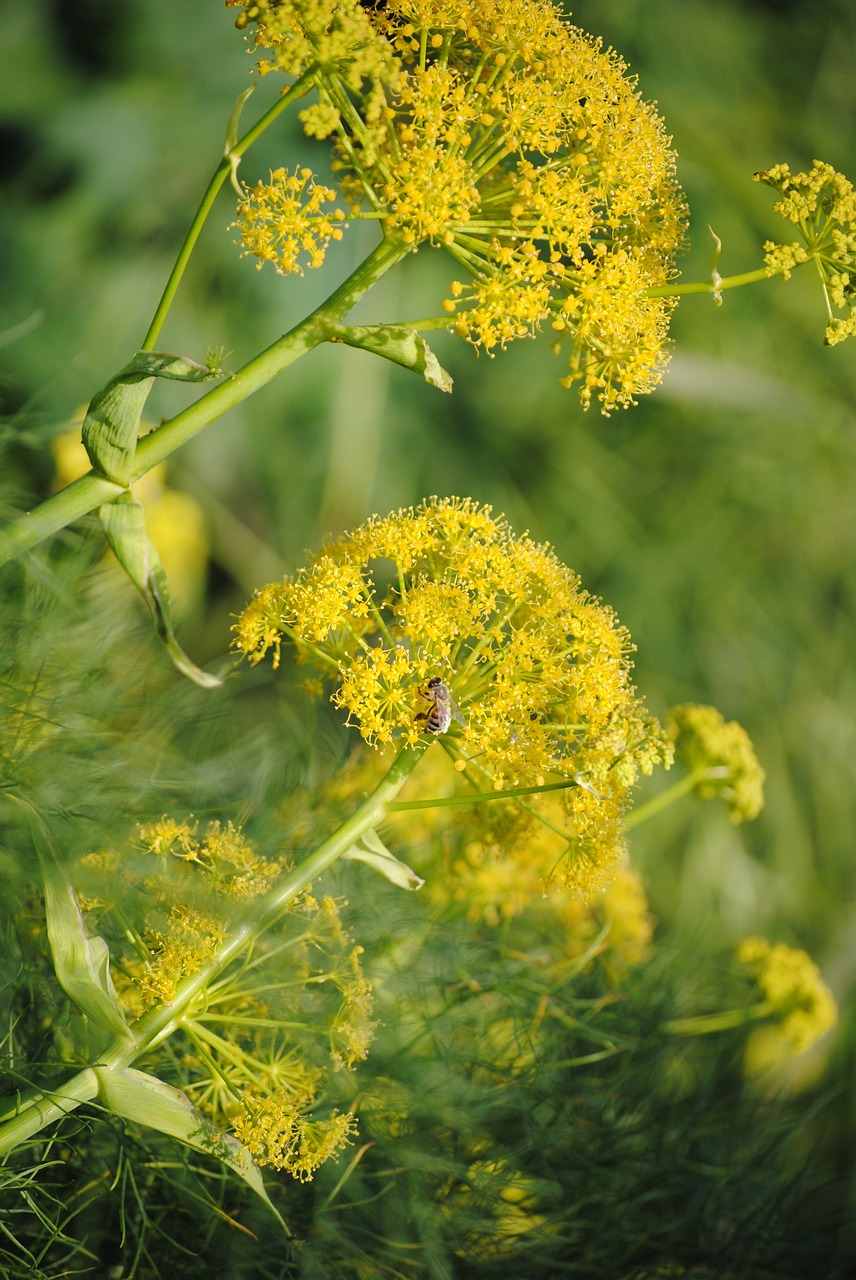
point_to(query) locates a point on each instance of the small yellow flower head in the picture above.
(722, 755)
(493, 883)
(189, 942)
(497, 131)
(262, 1040)
(537, 670)
(615, 925)
(168, 835)
(199, 877)
(232, 866)
(336, 37)
(279, 1129)
(822, 206)
(282, 221)
(502, 1204)
(497, 883)
(792, 990)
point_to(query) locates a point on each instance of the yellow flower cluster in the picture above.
(822, 206)
(497, 887)
(279, 1129)
(792, 989)
(188, 943)
(721, 754)
(282, 221)
(220, 865)
(539, 669)
(230, 860)
(337, 38)
(496, 130)
(502, 1206)
(499, 866)
(624, 909)
(263, 1038)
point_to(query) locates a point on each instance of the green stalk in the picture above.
(481, 797)
(91, 490)
(712, 286)
(661, 291)
(691, 780)
(226, 167)
(708, 1023)
(33, 1113)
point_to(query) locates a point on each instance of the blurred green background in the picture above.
(717, 517)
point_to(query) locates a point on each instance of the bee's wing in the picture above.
(457, 714)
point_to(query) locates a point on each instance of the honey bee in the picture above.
(444, 709)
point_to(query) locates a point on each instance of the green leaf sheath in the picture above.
(112, 424)
(146, 1100)
(81, 959)
(124, 524)
(93, 490)
(398, 343)
(371, 850)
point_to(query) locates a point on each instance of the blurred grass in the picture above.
(717, 517)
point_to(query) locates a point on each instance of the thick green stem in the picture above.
(36, 1111)
(32, 1113)
(91, 490)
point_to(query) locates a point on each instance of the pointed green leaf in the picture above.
(81, 959)
(112, 422)
(371, 850)
(232, 135)
(433, 372)
(401, 345)
(146, 1100)
(232, 139)
(716, 278)
(124, 524)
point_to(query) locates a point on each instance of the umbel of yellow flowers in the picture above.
(792, 991)
(821, 204)
(498, 132)
(539, 669)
